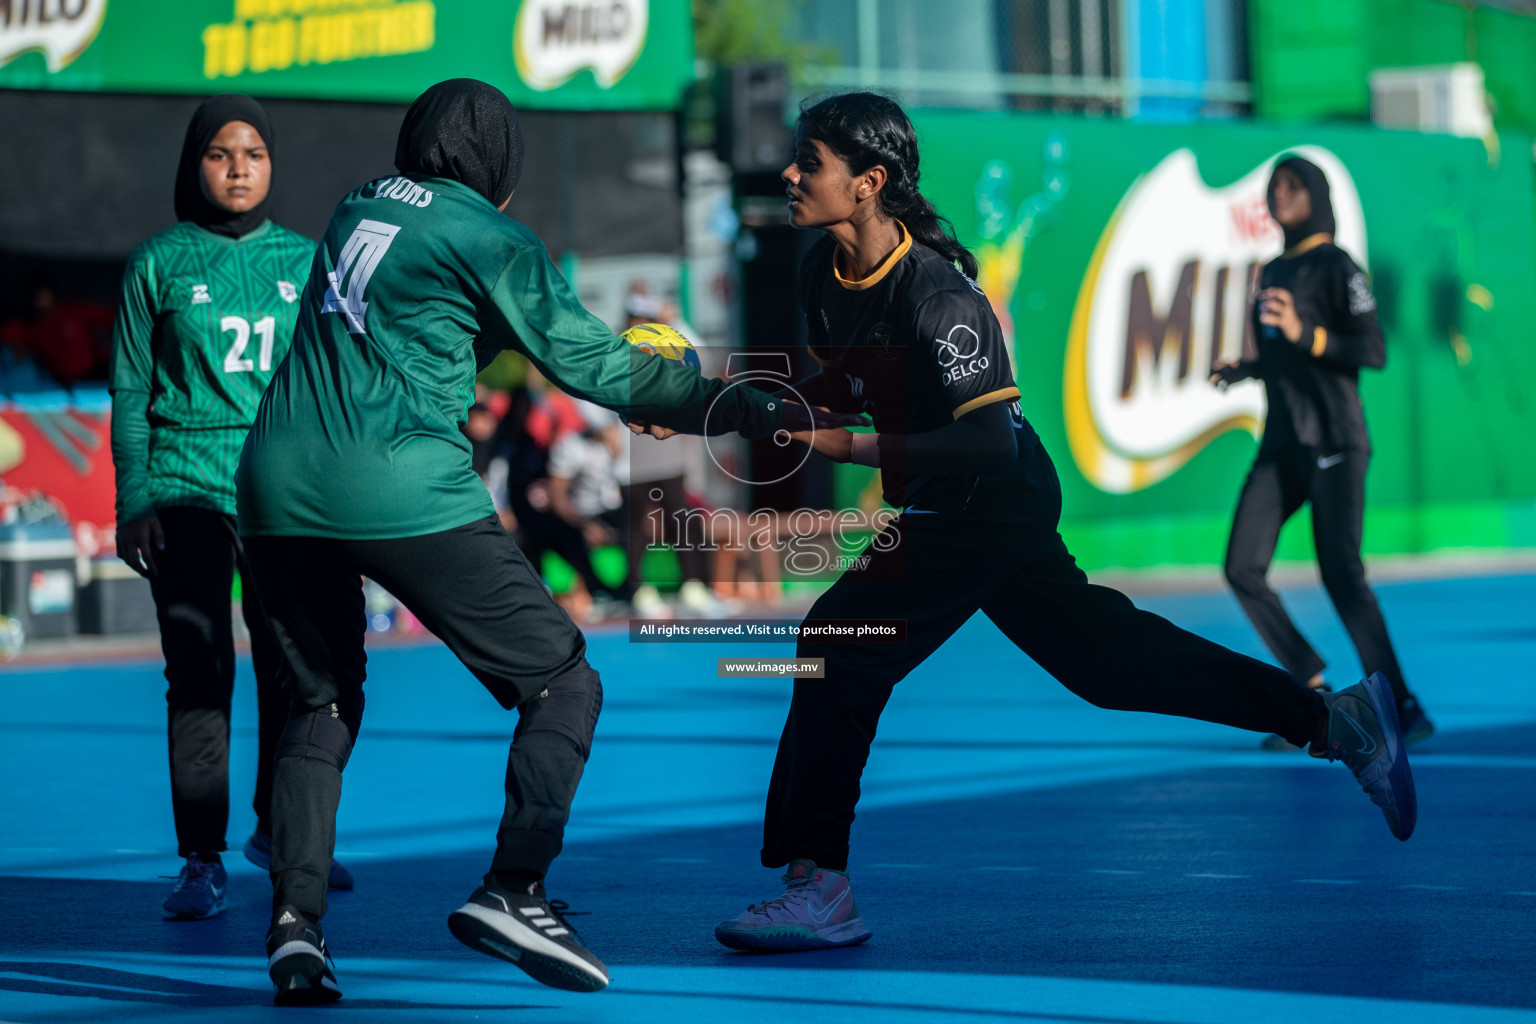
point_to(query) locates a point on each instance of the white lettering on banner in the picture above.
(359, 258)
(59, 29)
(554, 39)
(1167, 297)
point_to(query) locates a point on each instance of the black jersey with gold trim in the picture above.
(915, 344)
(1313, 384)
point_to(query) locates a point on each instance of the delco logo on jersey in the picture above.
(959, 354)
(59, 29)
(554, 39)
(1166, 297)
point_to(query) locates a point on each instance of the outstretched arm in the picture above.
(532, 309)
(981, 442)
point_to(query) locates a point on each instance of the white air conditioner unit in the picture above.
(1448, 99)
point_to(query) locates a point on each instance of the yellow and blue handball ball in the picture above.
(661, 340)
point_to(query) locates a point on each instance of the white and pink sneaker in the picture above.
(816, 911)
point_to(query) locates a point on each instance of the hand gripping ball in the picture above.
(661, 340)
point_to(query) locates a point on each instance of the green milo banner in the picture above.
(556, 54)
(1120, 259)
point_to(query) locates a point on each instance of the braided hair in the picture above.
(866, 129)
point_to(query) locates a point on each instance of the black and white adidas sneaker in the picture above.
(297, 961)
(531, 932)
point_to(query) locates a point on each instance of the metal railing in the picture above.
(1046, 54)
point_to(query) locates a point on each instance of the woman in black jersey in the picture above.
(1315, 327)
(908, 338)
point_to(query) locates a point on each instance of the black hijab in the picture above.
(191, 202)
(465, 131)
(1316, 184)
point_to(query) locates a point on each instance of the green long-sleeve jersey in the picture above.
(203, 321)
(419, 283)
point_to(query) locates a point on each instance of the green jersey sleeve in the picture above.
(132, 366)
(532, 303)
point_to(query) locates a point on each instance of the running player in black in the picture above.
(906, 336)
(1315, 327)
(207, 311)
(357, 466)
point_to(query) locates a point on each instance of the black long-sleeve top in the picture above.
(917, 347)
(1313, 383)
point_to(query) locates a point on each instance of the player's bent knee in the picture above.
(319, 734)
(569, 706)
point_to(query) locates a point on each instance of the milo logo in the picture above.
(1166, 297)
(555, 39)
(59, 29)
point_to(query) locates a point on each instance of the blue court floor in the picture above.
(1020, 855)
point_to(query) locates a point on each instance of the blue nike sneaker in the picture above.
(258, 850)
(1363, 732)
(199, 892)
(816, 911)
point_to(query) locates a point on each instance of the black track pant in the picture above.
(656, 512)
(939, 572)
(1276, 488)
(191, 591)
(543, 531)
(472, 588)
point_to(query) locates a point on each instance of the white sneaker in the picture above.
(648, 603)
(696, 597)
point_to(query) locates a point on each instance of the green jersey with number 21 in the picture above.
(204, 320)
(416, 286)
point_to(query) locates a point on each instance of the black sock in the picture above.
(516, 880)
(209, 858)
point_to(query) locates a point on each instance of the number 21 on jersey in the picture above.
(358, 259)
(266, 331)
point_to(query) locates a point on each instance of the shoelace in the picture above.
(563, 909)
(192, 875)
(560, 910)
(794, 892)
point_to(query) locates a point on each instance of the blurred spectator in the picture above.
(560, 484)
(655, 493)
(488, 457)
(69, 338)
(584, 501)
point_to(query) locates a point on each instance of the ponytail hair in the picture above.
(866, 129)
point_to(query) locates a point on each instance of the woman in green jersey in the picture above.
(357, 465)
(207, 311)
